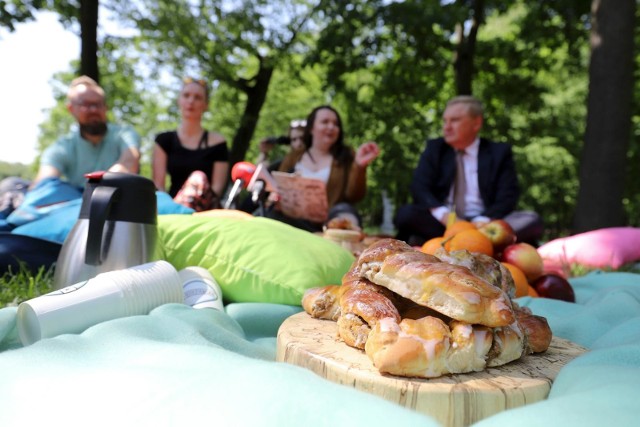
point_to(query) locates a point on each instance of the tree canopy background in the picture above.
(543, 72)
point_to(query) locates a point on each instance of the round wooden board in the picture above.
(454, 400)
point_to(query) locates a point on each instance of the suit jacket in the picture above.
(497, 178)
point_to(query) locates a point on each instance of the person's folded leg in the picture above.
(528, 226)
(416, 225)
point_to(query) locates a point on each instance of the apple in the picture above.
(554, 286)
(500, 233)
(526, 258)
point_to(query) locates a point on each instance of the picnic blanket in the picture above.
(181, 366)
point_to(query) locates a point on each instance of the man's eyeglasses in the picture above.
(89, 105)
(297, 124)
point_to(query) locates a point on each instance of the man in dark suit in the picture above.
(485, 188)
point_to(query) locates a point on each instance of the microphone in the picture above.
(241, 173)
(256, 192)
(256, 184)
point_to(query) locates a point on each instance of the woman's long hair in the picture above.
(340, 152)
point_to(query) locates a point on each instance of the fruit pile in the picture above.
(497, 239)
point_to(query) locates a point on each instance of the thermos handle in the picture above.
(99, 207)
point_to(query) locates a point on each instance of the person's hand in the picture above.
(480, 223)
(272, 200)
(366, 153)
(266, 145)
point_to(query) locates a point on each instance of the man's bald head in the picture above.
(82, 84)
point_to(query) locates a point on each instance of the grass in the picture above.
(576, 270)
(22, 285)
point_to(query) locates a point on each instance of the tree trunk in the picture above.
(608, 130)
(89, 38)
(256, 96)
(465, 52)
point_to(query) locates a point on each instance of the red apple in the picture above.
(526, 258)
(500, 233)
(553, 286)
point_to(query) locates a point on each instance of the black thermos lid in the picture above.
(131, 198)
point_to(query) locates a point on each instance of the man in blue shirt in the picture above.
(95, 145)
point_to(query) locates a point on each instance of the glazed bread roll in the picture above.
(483, 266)
(322, 302)
(508, 345)
(417, 316)
(356, 305)
(361, 308)
(536, 330)
(427, 347)
(449, 289)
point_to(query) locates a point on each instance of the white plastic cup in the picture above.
(200, 288)
(132, 291)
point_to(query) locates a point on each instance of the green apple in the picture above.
(500, 233)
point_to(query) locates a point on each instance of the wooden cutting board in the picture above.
(454, 400)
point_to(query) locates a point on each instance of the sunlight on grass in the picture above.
(23, 285)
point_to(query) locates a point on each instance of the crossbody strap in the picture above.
(203, 141)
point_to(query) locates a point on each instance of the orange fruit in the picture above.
(457, 227)
(522, 285)
(471, 240)
(532, 292)
(432, 245)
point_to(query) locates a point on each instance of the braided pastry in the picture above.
(535, 328)
(428, 347)
(449, 289)
(483, 266)
(415, 315)
(361, 308)
(323, 303)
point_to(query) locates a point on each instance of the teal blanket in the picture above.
(180, 366)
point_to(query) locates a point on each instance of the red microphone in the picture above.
(241, 174)
(243, 171)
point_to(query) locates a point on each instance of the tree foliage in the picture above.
(389, 68)
(13, 12)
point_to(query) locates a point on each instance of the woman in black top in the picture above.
(197, 161)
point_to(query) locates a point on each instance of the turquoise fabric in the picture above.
(179, 366)
(175, 367)
(57, 223)
(47, 197)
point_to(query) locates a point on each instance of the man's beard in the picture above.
(93, 129)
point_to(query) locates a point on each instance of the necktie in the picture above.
(460, 187)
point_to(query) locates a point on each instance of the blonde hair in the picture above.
(474, 106)
(200, 82)
(83, 81)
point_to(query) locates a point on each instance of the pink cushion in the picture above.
(606, 247)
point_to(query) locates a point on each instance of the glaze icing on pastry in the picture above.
(428, 347)
(418, 315)
(362, 308)
(483, 266)
(452, 290)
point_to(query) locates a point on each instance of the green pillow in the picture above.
(253, 259)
